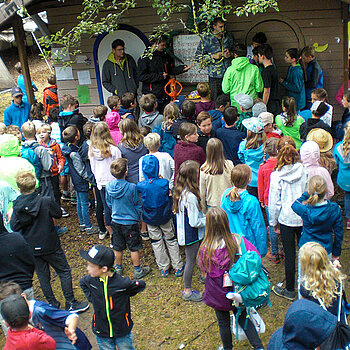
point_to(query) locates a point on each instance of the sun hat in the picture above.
(266, 118)
(253, 125)
(258, 108)
(322, 137)
(99, 255)
(245, 101)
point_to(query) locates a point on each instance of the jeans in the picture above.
(347, 204)
(224, 323)
(123, 343)
(58, 261)
(288, 235)
(83, 208)
(273, 235)
(106, 208)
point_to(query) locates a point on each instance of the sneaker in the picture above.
(61, 230)
(284, 293)
(92, 230)
(64, 213)
(118, 270)
(221, 347)
(179, 272)
(82, 228)
(165, 273)
(142, 273)
(102, 235)
(66, 197)
(348, 224)
(193, 296)
(144, 235)
(77, 306)
(274, 258)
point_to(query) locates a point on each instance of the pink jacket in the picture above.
(112, 120)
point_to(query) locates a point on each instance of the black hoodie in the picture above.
(32, 216)
(16, 258)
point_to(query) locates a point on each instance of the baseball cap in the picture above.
(99, 255)
(253, 125)
(244, 100)
(266, 118)
(320, 107)
(16, 91)
(258, 108)
(14, 308)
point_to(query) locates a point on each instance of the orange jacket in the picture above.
(58, 158)
(50, 98)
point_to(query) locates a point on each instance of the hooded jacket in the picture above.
(120, 77)
(295, 86)
(313, 123)
(112, 120)
(167, 140)
(17, 115)
(204, 106)
(310, 155)
(151, 119)
(215, 294)
(314, 78)
(7, 195)
(242, 76)
(320, 222)
(306, 326)
(252, 157)
(32, 217)
(286, 185)
(58, 158)
(156, 202)
(343, 162)
(245, 218)
(73, 118)
(101, 166)
(124, 201)
(150, 73)
(50, 98)
(293, 131)
(264, 174)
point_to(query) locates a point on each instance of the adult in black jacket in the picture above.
(154, 72)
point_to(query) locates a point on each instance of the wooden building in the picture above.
(298, 23)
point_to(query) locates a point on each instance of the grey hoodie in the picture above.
(150, 119)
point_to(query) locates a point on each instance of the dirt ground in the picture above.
(162, 320)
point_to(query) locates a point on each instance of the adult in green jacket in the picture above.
(242, 76)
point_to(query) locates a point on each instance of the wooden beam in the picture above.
(345, 20)
(19, 35)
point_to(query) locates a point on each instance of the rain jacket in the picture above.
(244, 77)
(293, 131)
(167, 140)
(21, 84)
(295, 87)
(32, 217)
(7, 195)
(343, 178)
(252, 157)
(314, 78)
(151, 119)
(320, 222)
(120, 77)
(154, 193)
(310, 155)
(245, 218)
(264, 174)
(124, 201)
(286, 185)
(190, 220)
(112, 120)
(50, 98)
(17, 115)
(58, 158)
(215, 294)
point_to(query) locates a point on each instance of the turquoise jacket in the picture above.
(343, 162)
(295, 86)
(245, 217)
(7, 195)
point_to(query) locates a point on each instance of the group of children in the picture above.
(190, 177)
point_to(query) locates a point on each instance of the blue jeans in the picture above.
(106, 208)
(273, 235)
(123, 343)
(83, 208)
(347, 204)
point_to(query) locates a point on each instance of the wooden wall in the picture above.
(297, 23)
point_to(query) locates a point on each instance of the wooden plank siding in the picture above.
(315, 22)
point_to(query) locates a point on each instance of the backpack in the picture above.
(29, 154)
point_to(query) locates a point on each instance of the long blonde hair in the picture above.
(217, 228)
(101, 139)
(319, 276)
(346, 140)
(317, 190)
(240, 178)
(215, 163)
(254, 140)
(132, 138)
(171, 113)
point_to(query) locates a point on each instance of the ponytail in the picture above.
(234, 195)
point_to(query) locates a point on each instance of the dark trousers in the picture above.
(225, 329)
(99, 210)
(106, 208)
(55, 180)
(59, 263)
(215, 87)
(253, 191)
(288, 235)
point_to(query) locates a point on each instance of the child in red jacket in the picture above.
(50, 97)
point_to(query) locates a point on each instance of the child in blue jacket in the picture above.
(157, 215)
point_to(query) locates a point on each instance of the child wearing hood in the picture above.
(251, 150)
(157, 214)
(243, 209)
(310, 155)
(149, 115)
(113, 118)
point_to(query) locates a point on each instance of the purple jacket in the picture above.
(215, 293)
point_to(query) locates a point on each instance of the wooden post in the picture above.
(19, 35)
(345, 20)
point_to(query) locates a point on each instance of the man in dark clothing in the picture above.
(32, 217)
(318, 109)
(119, 72)
(154, 72)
